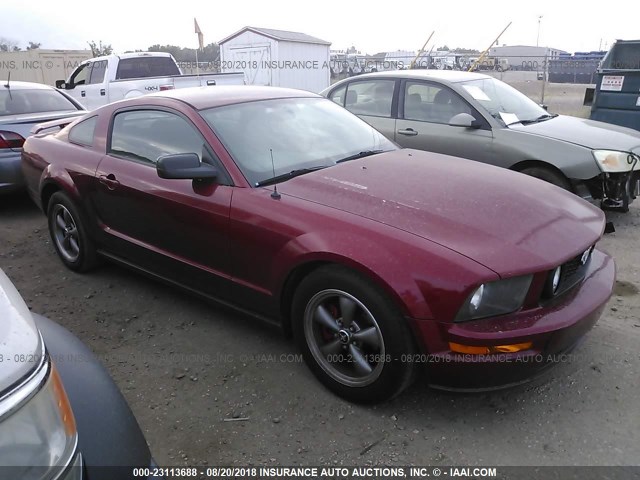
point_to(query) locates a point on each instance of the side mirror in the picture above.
(464, 120)
(184, 166)
(545, 107)
(61, 84)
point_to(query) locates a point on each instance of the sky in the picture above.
(370, 27)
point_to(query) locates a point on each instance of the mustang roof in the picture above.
(208, 97)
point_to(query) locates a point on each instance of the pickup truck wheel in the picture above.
(548, 175)
(69, 235)
(351, 335)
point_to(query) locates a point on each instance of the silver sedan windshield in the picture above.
(502, 101)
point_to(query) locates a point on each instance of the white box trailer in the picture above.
(41, 65)
(277, 58)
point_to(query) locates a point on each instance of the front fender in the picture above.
(574, 161)
(108, 433)
(356, 252)
(426, 280)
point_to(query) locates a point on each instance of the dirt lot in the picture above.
(186, 366)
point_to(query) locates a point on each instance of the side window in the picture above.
(146, 135)
(432, 103)
(80, 75)
(373, 97)
(97, 71)
(82, 133)
(338, 95)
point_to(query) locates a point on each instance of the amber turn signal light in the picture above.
(482, 350)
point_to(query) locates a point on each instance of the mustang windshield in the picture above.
(504, 102)
(300, 133)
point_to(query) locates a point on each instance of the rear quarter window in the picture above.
(83, 132)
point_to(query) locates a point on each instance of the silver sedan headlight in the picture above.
(495, 298)
(612, 161)
(37, 429)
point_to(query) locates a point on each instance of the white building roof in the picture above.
(278, 35)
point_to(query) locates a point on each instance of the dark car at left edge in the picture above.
(24, 105)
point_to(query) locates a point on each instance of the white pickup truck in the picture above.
(102, 80)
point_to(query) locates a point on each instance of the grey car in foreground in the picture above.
(61, 415)
(478, 117)
(22, 106)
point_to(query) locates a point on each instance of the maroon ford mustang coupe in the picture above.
(283, 204)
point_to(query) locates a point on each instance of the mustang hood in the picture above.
(587, 133)
(507, 221)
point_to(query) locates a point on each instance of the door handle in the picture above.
(103, 92)
(109, 181)
(409, 132)
(83, 93)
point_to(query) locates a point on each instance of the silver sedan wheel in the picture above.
(344, 338)
(65, 232)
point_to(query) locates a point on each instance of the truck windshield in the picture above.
(503, 101)
(140, 67)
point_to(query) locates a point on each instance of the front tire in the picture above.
(352, 337)
(69, 235)
(549, 176)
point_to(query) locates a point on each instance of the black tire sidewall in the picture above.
(87, 256)
(548, 176)
(396, 374)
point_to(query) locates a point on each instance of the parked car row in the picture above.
(382, 262)
(286, 205)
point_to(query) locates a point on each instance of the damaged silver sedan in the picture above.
(478, 117)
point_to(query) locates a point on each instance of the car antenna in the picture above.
(8, 80)
(275, 195)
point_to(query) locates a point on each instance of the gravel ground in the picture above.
(210, 386)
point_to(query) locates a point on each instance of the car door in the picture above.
(374, 100)
(94, 93)
(177, 229)
(426, 108)
(77, 83)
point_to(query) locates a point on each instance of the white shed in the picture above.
(278, 58)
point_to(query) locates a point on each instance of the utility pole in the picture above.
(538, 38)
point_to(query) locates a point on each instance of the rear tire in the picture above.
(69, 234)
(549, 176)
(352, 337)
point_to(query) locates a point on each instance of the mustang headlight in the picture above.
(612, 161)
(38, 433)
(495, 298)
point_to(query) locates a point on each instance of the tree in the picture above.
(466, 50)
(8, 45)
(100, 50)
(33, 46)
(210, 53)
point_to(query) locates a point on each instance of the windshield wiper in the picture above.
(287, 176)
(541, 118)
(365, 153)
